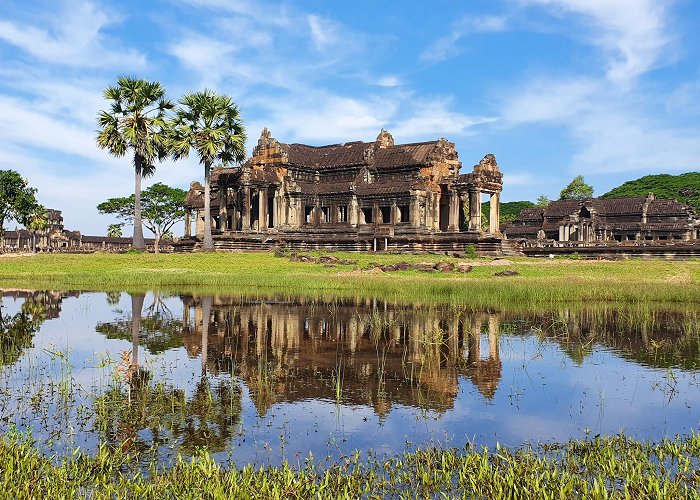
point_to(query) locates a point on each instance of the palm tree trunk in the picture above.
(138, 243)
(208, 245)
(156, 242)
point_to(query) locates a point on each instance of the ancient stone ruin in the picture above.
(353, 196)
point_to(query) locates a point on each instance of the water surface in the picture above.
(271, 380)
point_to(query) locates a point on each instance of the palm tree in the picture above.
(38, 222)
(136, 122)
(210, 124)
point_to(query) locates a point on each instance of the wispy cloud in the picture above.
(75, 38)
(448, 45)
(435, 117)
(634, 34)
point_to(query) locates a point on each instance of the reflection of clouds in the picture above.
(545, 393)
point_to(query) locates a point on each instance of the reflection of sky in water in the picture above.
(542, 395)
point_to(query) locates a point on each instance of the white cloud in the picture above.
(634, 33)
(614, 130)
(323, 32)
(26, 127)
(325, 117)
(548, 100)
(388, 81)
(74, 39)
(434, 118)
(446, 46)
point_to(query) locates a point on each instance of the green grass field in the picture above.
(609, 467)
(539, 282)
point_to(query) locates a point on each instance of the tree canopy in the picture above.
(577, 190)
(542, 201)
(211, 125)
(136, 122)
(162, 207)
(17, 199)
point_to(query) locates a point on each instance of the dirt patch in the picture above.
(13, 255)
(679, 278)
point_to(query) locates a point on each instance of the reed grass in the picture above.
(540, 282)
(602, 467)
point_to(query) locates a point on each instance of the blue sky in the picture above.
(554, 88)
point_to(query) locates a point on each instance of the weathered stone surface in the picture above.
(463, 267)
(507, 272)
(445, 267)
(427, 267)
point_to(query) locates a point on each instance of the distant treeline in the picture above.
(683, 187)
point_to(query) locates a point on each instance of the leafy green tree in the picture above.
(136, 123)
(115, 230)
(577, 190)
(38, 222)
(17, 199)
(211, 125)
(542, 201)
(162, 207)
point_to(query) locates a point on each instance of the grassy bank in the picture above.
(538, 282)
(615, 467)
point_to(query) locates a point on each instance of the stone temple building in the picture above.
(601, 220)
(353, 196)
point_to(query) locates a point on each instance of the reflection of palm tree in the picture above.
(136, 308)
(209, 419)
(157, 329)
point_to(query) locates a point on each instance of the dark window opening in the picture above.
(270, 210)
(367, 212)
(403, 209)
(308, 212)
(386, 214)
(325, 214)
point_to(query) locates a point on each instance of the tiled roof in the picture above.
(353, 154)
(618, 206)
(561, 208)
(335, 155)
(667, 207)
(531, 214)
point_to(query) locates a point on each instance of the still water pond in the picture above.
(270, 380)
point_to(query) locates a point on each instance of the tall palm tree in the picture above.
(137, 123)
(210, 124)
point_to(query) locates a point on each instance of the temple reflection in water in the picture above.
(370, 353)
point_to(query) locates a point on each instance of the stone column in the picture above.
(495, 215)
(245, 209)
(223, 208)
(354, 215)
(453, 220)
(262, 209)
(475, 210)
(188, 223)
(276, 217)
(199, 224)
(413, 212)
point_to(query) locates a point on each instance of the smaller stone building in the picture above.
(601, 220)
